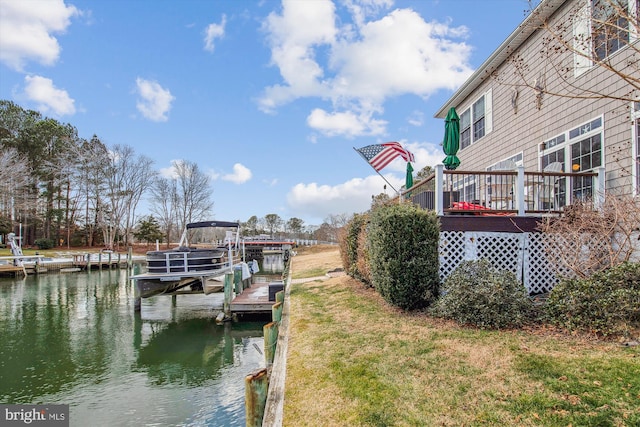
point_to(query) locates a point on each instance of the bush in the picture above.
(478, 294)
(607, 303)
(403, 253)
(44, 243)
(349, 247)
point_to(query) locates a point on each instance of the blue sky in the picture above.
(268, 97)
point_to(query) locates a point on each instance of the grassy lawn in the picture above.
(354, 361)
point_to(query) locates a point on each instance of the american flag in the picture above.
(380, 155)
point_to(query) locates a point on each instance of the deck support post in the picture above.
(256, 386)
(270, 331)
(129, 257)
(174, 300)
(439, 197)
(88, 261)
(99, 260)
(520, 191)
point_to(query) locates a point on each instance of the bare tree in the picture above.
(193, 193)
(587, 37)
(273, 223)
(164, 204)
(15, 177)
(586, 240)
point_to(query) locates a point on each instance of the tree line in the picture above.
(60, 189)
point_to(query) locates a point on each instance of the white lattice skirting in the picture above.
(521, 253)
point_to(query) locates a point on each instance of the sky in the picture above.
(268, 97)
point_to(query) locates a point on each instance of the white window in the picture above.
(602, 27)
(579, 150)
(476, 120)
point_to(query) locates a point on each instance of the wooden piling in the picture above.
(256, 386)
(89, 262)
(280, 296)
(129, 257)
(270, 331)
(228, 295)
(237, 280)
(276, 311)
(137, 299)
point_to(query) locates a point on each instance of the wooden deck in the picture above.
(253, 300)
(10, 269)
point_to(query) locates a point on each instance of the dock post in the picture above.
(270, 331)
(137, 301)
(237, 280)
(256, 386)
(276, 311)
(129, 257)
(109, 260)
(99, 260)
(89, 262)
(280, 296)
(174, 300)
(228, 295)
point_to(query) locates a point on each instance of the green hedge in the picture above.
(606, 303)
(403, 253)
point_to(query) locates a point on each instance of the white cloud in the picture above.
(26, 29)
(213, 32)
(353, 196)
(49, 98)
(240, 175)
(359, 66)
(154, 101)
(416, 118)
(345, 123)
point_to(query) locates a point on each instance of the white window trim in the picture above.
(488, 115)
(568, 141)
(582, 37)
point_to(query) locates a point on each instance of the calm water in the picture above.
(74, 339)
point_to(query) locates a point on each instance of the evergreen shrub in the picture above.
(44, 243)
(476, 293)
(348, 244)
(403, 254)
(607, 303)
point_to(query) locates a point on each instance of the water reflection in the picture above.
(74, 339)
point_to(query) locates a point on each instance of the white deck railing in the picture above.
(515, 192)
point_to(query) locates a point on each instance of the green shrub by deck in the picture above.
(403, 254)
(476, 293)
(607, 303)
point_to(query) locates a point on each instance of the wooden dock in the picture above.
(10, 269)
(253, 300)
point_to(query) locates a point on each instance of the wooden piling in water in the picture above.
(237, 280)
(228, 295)
(256, 386)
(280, 296)
(270, 331)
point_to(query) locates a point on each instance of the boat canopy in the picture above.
(204, 224)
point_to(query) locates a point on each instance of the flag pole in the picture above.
(365, 159)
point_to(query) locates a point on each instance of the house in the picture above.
(563, 89)
(552, 116)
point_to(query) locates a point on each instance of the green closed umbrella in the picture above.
(451, 142)
(409, 180)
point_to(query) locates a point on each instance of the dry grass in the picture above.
(354, 360)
